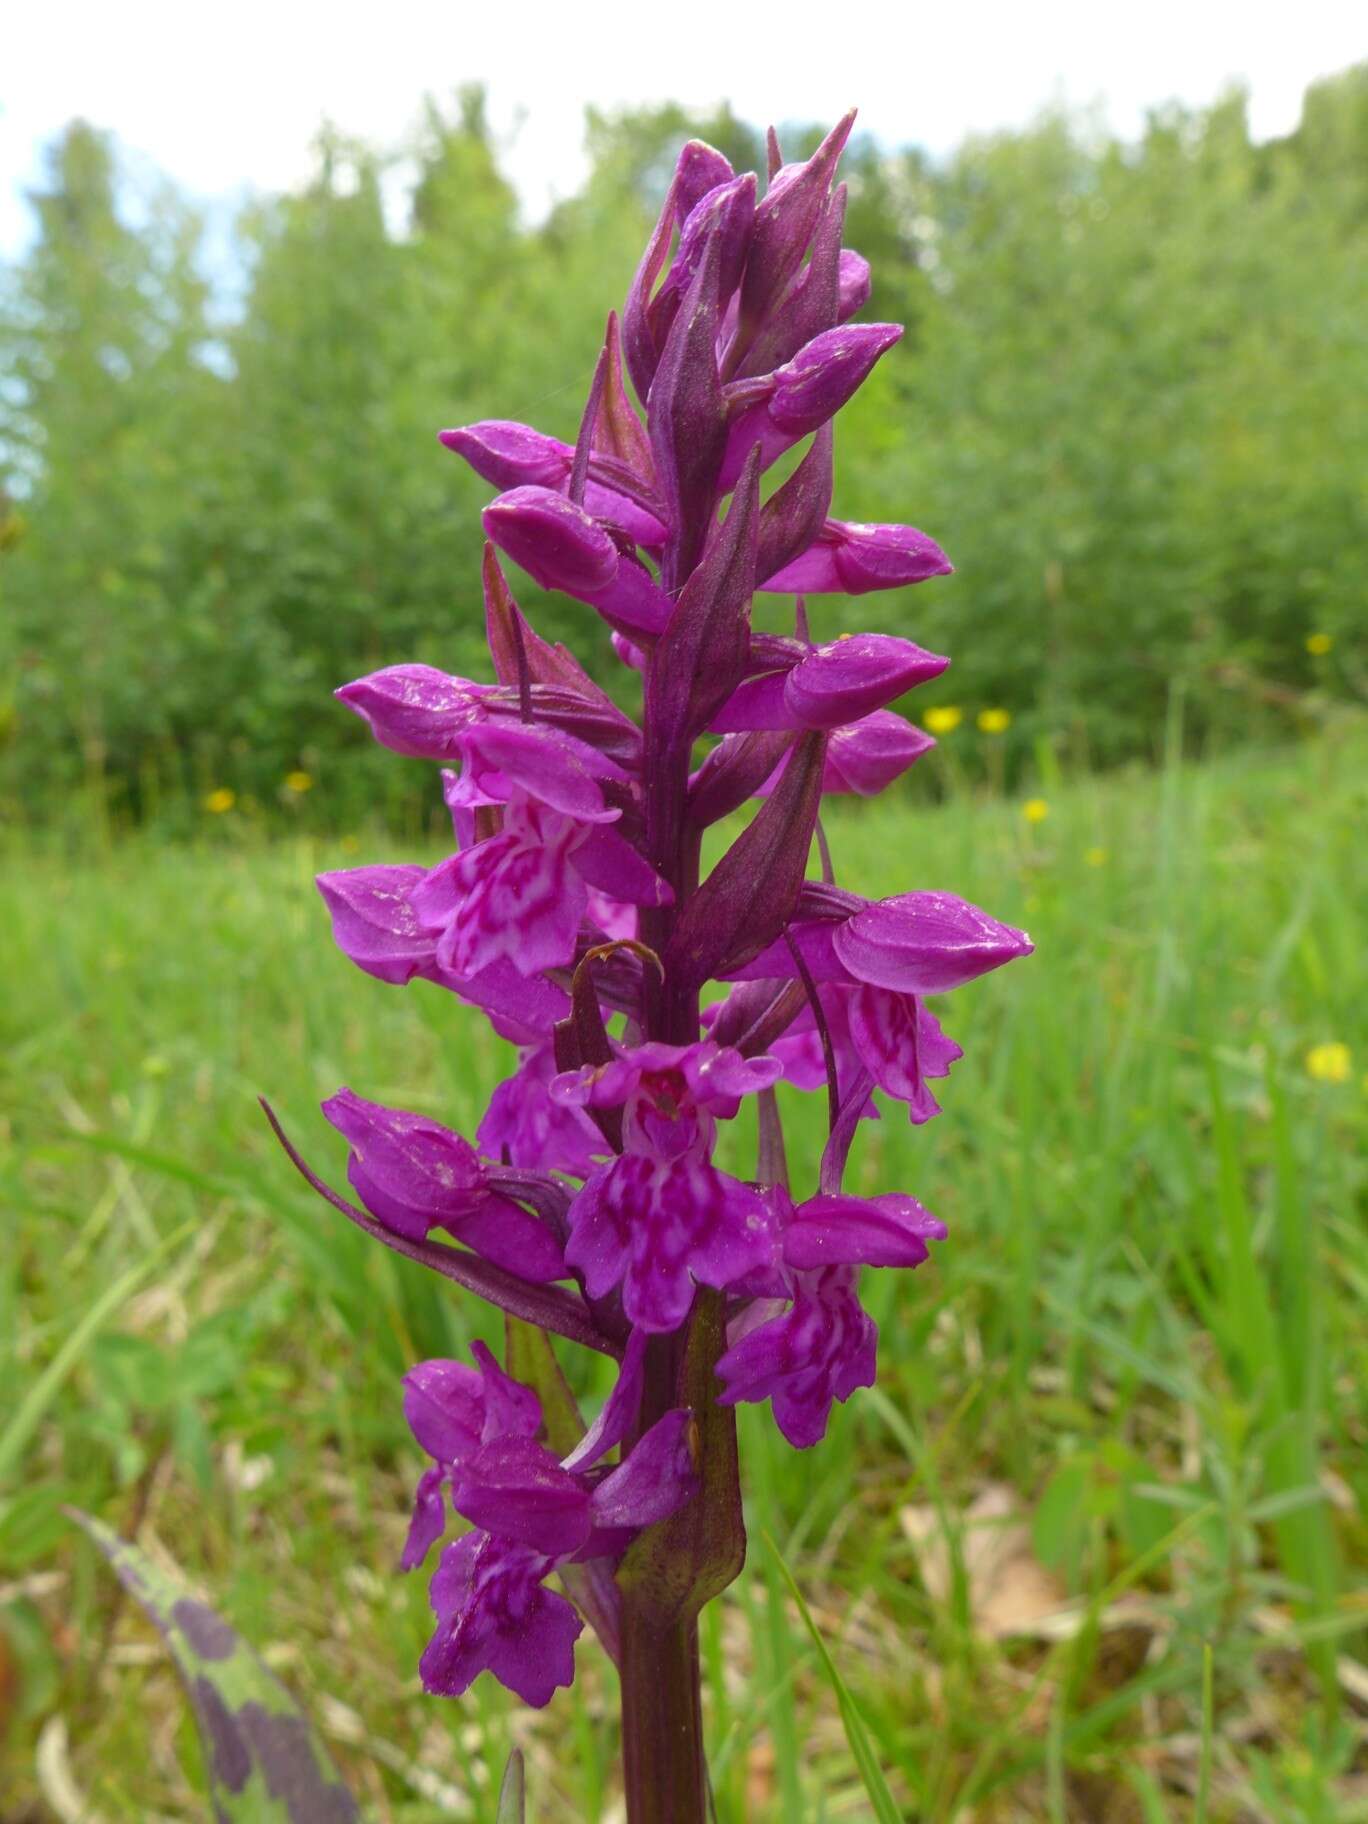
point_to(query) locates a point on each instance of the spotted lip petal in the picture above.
(513, 898)
(494, 1615)
(655, 1228)
(524, 1125)
(821, 1350)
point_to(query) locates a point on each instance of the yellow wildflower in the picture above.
(1096, 858)
(994, 721)
(298, 782)
(1035, 810)
(1329, 1063)
(1319, 644)
(944, 719)
(221, 799)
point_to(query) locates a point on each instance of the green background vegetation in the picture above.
(1145, 1336)
(1127, 406)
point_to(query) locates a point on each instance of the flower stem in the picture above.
(662, 1720)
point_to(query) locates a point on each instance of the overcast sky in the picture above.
(226, 97)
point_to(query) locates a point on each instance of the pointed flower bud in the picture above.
(414, 1175)
(510, 455)
(888, 1231)
(925, 943)
(852, 559)
(784, 222)
(802, 395)
(686, 417)
(724, 215)
(822, 376)
(416, 709)
(865, 757)
(374, 922)
(812, 302)
(854, 284)
(639, 345)
(834, 685)
(699, 169)
(914, 943)
(562, 547)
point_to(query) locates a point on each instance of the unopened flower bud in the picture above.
(848, 558)
(925, 943)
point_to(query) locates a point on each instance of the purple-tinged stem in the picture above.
(662, 1722)
(664, 1771)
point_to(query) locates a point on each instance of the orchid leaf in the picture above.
(266, 1764)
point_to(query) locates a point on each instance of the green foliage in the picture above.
(1127, 404)
(1137, 1167)
(856, 1734)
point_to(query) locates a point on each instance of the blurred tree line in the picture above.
(1129, 403)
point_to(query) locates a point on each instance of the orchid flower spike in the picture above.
(595, 1200)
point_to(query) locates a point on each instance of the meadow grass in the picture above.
(1093, 1550)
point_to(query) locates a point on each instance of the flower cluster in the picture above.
(574, 912)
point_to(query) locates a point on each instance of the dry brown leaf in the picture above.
(1010, 1590)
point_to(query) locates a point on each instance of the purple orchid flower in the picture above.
(526, 1127)
(575, 911)
(416, 1175)
(521, 893)
(661, 1216)
(515, 456)
(864, 757)
(494, 1615)
(531, 1514)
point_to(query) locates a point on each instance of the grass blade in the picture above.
(28, 1414)
(856, 1734)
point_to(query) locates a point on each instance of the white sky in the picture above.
(227, 96)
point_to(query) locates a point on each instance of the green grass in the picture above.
(1145, 1336)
